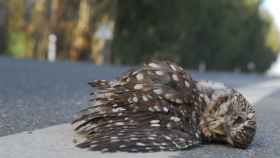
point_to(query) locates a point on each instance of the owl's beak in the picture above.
(217, 127)
(218, 131)
(214, 128)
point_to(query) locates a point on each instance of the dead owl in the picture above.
(159, 107)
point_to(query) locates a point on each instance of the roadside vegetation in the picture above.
(221, 35)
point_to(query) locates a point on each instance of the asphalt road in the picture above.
(37, 94)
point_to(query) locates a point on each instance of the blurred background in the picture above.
(216, 35)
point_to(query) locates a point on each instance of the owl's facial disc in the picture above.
(241, 123)
(231, 119)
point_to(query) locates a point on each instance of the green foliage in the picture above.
(3, 30)
(273, 35)
(17, 43)
(225, 35)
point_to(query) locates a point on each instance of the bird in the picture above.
(160, 107)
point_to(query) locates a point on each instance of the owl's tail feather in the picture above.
(133, 139)
(118, 120)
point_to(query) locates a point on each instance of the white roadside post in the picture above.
(52, 47)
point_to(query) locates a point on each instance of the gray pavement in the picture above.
(35, 95)
(39, 94)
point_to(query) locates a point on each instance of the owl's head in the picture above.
(228, 118)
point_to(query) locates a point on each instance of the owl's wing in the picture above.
(149, 109)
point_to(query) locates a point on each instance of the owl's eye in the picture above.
(238, 120)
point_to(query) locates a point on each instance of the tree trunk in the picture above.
(81, 38)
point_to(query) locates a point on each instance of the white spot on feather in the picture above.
(175, 77)
(154, 65)
(148, 148)
(139, 76)
(160, 73)
(128, 79)
(144, 98)
(175, 119)
(197, 135)
(93, 145)
(157, 108)
(173, 67)
(105, 149)
(251, 115)
(155, 125)
(129, 100)
(135, 99)
(151, 109)
(135, 72)
(179, 101)
(118, 109)
(133, 138)
(115, 83)
(163, 143)
(168, 125)
(119, 123)
(180, 68)
(187, 84)
(168, 95)
(122, 146)
(167, 137)
(114, 139)
(165, 109)
(154, 121)
(157, 91)
(138, 86)
(140, 144)
(149, 96)
(151, 138)
(135, 150)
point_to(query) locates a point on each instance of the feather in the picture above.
(144, 110)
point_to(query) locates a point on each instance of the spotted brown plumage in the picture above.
(160, 107)
(229, 117)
